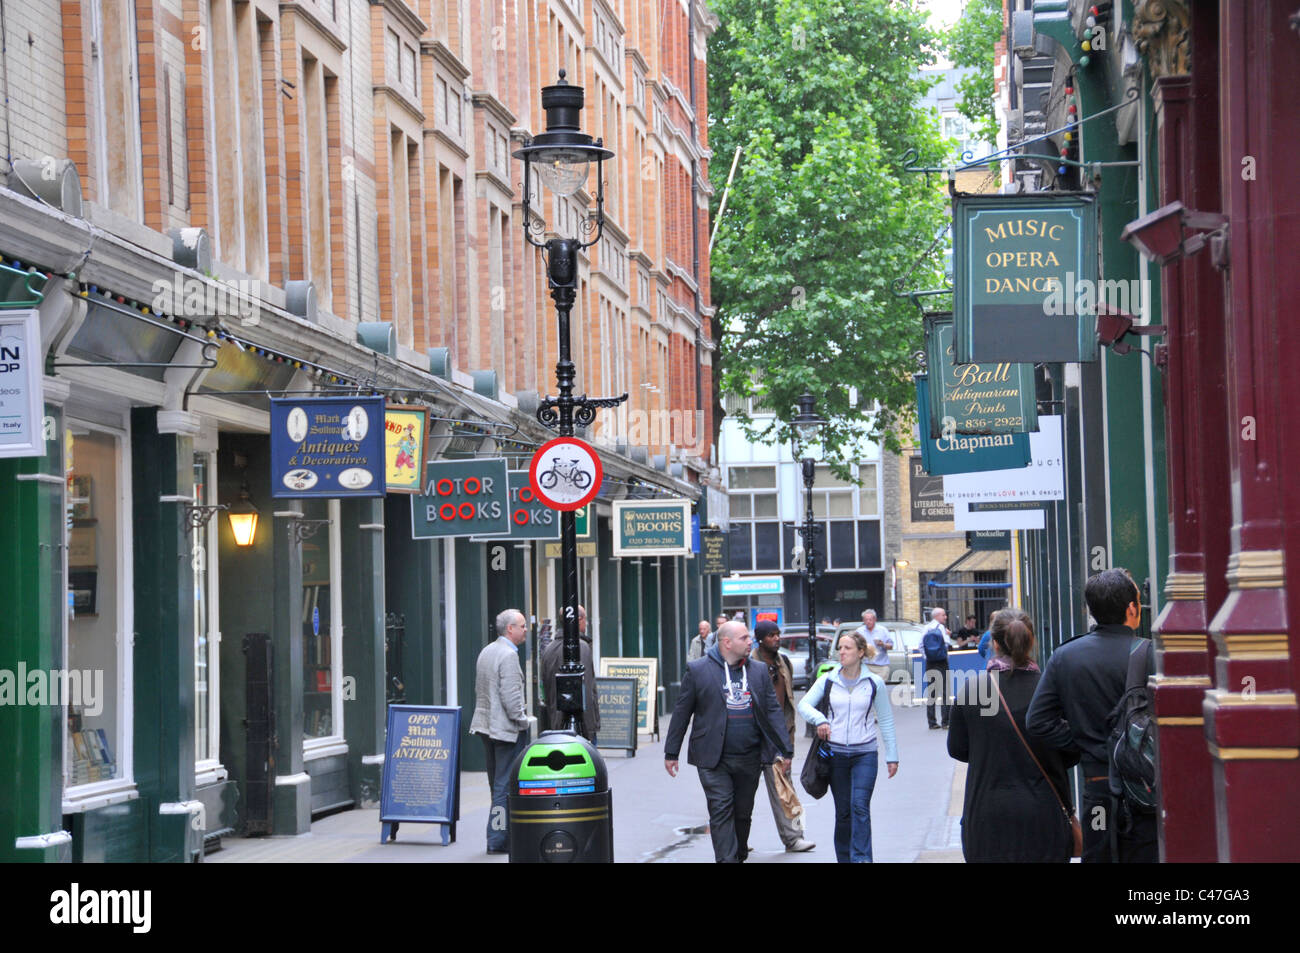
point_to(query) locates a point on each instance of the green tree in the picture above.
(821, 220)
(972, 42)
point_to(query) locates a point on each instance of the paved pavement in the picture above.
(657, 819)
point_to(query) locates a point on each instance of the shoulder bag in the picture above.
(1076, 829)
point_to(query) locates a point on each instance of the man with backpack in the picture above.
(1094, 687)
(934, 646)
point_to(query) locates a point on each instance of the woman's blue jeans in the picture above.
(853, 778)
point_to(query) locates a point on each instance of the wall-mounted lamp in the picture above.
(1161, 236)
(1114, 325)
(243, 515)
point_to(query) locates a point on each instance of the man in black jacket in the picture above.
(738, 727)
(1071, 710)
(552, 658)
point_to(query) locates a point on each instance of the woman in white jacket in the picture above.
(857, 722)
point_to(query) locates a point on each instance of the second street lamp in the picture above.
(563, 156)
(807, 425)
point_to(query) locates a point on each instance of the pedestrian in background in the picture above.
(934, 646)
(500, 717)
(858, 722)
(728, 700)
(879, 642)
(1017, 806)
(700, 642)
(552, 659)
(767, 649)
(1084, 679)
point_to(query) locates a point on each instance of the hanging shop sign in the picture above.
(1018, 260)
(753, 586)
(530, 518)
(646, 673)
(1043, 479)
(617, 698)
(327, 447)
(22, 397)
(462, 498)
(975, 398)
(565, 473)
(713, 552)
(966, 453)
(926, 491)
(406, 434)
(996, 540)
(967, 517)
(661, 528)
(586, 550)
(421, 778)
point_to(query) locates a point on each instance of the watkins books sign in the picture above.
(652, 529)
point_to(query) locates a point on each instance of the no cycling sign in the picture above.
(565, 473)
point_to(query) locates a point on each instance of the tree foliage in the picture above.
(972, 42)
(821, 220)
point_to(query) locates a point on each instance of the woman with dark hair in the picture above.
(1017, 804)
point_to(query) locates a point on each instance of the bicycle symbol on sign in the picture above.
(570, 473)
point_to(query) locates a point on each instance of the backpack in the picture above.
(1131, 742)
(936, 649)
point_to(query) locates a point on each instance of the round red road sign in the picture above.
(565, 473)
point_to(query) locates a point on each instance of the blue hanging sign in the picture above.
(966, 453)
(327, 447)
(421, 782)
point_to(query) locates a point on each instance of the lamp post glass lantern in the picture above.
(563, 155)
(807, 426)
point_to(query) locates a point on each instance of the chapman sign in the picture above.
(462, 498)
(22, 401)
(1014, 255)
(652, 529)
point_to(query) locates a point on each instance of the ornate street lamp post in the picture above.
(562, 155)
(807, 424)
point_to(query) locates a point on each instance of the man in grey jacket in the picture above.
(500, 717)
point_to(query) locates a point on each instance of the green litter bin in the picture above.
(561, 809)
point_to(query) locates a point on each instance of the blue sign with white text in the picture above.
(327, 447)
(421, 781)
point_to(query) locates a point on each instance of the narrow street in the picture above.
(657, 819)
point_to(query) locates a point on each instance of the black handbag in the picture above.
(815, 775)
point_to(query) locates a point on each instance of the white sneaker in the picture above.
(800, 846)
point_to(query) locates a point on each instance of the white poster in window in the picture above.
(22, 401)
(1043, 479)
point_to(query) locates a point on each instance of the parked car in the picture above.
(794, 643)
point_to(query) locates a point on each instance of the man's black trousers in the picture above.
(729, 790)
(936, 692)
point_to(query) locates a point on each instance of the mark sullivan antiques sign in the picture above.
(975, 398)
(1012, 254)
(327, 447)
(462, 498)
(652, 529)
(421, 776)
(406, 431)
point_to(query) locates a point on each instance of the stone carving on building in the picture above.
(1160, 29)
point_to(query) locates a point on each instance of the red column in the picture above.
(1251, 719)
(1192, 309)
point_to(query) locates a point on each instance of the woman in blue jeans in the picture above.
(858, 721)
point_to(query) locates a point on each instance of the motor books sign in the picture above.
(22, 401)
(975, 398)
(530, 518)
(1014, 257)
(462, 498)
(652, 529)
(421, 780)
(327, 447)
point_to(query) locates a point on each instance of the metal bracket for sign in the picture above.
(37, 295)
(300, 529)
(969, 162)
(196, 516)
(584, 409)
